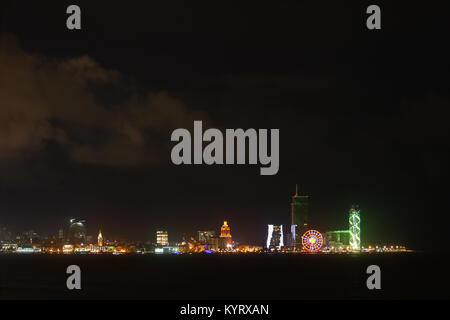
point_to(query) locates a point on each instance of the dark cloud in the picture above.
(48, 100)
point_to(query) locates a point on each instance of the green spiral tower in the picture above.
(354, 227)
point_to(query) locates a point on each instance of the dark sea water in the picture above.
(403, 276)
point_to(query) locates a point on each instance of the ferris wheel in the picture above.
(312, 240)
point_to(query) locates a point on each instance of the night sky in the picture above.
(86, 116)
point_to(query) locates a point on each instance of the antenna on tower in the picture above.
(296, 189)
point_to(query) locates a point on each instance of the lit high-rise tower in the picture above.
(100, 239)
(162, 238)
(354, 227)
(77, 231)
(225, 232)
(275, 237)
(299, 217)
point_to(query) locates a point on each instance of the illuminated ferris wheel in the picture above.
(312, 240)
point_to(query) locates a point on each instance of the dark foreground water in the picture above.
(403, 276)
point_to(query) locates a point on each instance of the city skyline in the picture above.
(87, 117)
(296, 238)
(224, 155)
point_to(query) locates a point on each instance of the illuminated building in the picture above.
(162, 238)
(269, 235)
(31, 236)
(247, 248)
(100, 239)
(68, 248)
(224, 243)
(77, 231)
(203, 236)
(166, 249)
(312, 241)
(339, 239)
(61, 234)
(225, 232)
(25, 249)
(299, 217)
(354, 228)
(213, 244)
(8, 246)
(275, 237)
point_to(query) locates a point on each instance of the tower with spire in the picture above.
(100, 239)
(225, 232)
(299, 216)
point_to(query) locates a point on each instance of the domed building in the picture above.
(77, 231)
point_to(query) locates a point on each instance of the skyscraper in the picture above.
(299, 217)
(162, 238)
(77, 231)
(225, 232)
(204, 236)
(354, 220)
(275, 237)
(61, 234)
(100, 239)
(338, 239)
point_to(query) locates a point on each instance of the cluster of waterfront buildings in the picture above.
(300, 237)
(304, 237)
(76, 241)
